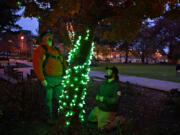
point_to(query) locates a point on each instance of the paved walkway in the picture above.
(99, 76)
(145, 82)
(10, 79)
(24, 62)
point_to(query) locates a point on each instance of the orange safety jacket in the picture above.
(50, 62)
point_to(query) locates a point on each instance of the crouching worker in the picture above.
(49, 66)
(105, 113)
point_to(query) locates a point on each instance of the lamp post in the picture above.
(22, 40)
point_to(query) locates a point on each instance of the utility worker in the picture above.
(49, 66)
(105, 113)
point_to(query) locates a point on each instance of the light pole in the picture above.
(22, 40)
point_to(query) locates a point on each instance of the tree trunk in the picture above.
(171, 54)
(126, 55)
(147, 60)
(126, 59)
(75, 81)
(143, 58)
(97, 52)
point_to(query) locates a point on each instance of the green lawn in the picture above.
(161, 72)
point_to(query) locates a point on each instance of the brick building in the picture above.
(17, 43)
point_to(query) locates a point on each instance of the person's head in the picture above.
(47, 37)
(112, 73)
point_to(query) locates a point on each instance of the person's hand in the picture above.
(119, 93)
(44, 83)
(101, 98)
(97, 97)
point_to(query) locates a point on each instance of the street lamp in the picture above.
(10, 41)
(22, 38)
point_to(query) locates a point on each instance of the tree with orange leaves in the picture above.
(86, 15)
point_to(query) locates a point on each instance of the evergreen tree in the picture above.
(8, 9)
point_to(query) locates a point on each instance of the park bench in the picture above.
(17, 75)
(32, 75)
(8, 70)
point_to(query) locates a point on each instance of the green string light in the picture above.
(38, 17)
(75, 79)
(67, 123)
(19, 3)
(76, 82)
(76, 89)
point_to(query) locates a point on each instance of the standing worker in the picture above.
(49, 66)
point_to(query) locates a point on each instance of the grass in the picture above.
(160, 72)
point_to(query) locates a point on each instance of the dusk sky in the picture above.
(28, 23)
(33, 25)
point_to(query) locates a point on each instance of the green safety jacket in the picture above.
(111, 93)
